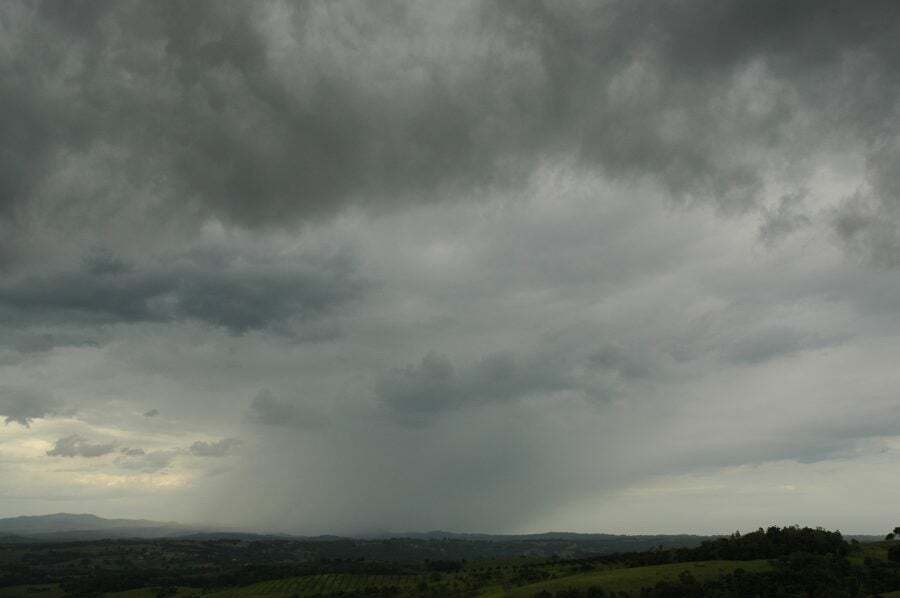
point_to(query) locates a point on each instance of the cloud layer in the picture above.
(238, 293)
(484, 266)
(411, 103)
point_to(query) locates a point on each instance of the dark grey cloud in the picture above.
(279, 112)
(869, 220)
(24, 405)
(777, 341)
(76, 445)
(151, 413)
(300, 138)
(627, 362)
(417, 393)
(219, 289)
(868, 226)
(27, 342)
(270, 410)
(784, 219)
(218, 448)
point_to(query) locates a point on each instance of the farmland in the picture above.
(631, 579)
(461, 584)
(792, 561)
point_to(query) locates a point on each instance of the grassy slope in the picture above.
(875, 550)
(632, 579)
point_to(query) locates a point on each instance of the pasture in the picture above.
(630, 579)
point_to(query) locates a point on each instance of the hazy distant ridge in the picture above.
(85, 526)
(445, 535)
(62, 527)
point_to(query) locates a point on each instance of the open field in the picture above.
(632, 579)
(873, 550)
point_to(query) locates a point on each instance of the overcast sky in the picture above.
(504, 267)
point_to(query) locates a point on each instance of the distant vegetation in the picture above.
(771, 563)
(800, 562)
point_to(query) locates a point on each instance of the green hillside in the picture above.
(632, 579)
(619, 579)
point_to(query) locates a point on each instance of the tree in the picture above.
(890, 536)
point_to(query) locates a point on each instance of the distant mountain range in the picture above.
(66, 522)
(71, 527)
(544, 536)
(84, 526)
(68, 527)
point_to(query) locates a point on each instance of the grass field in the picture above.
(875, 550)
(631, 579)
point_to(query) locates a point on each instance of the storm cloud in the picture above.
(434, 385)
(269, 410)
(704, 98)
(490, 266)
(236, 293)
(24, 405)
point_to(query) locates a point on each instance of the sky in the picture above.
(339, 267)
